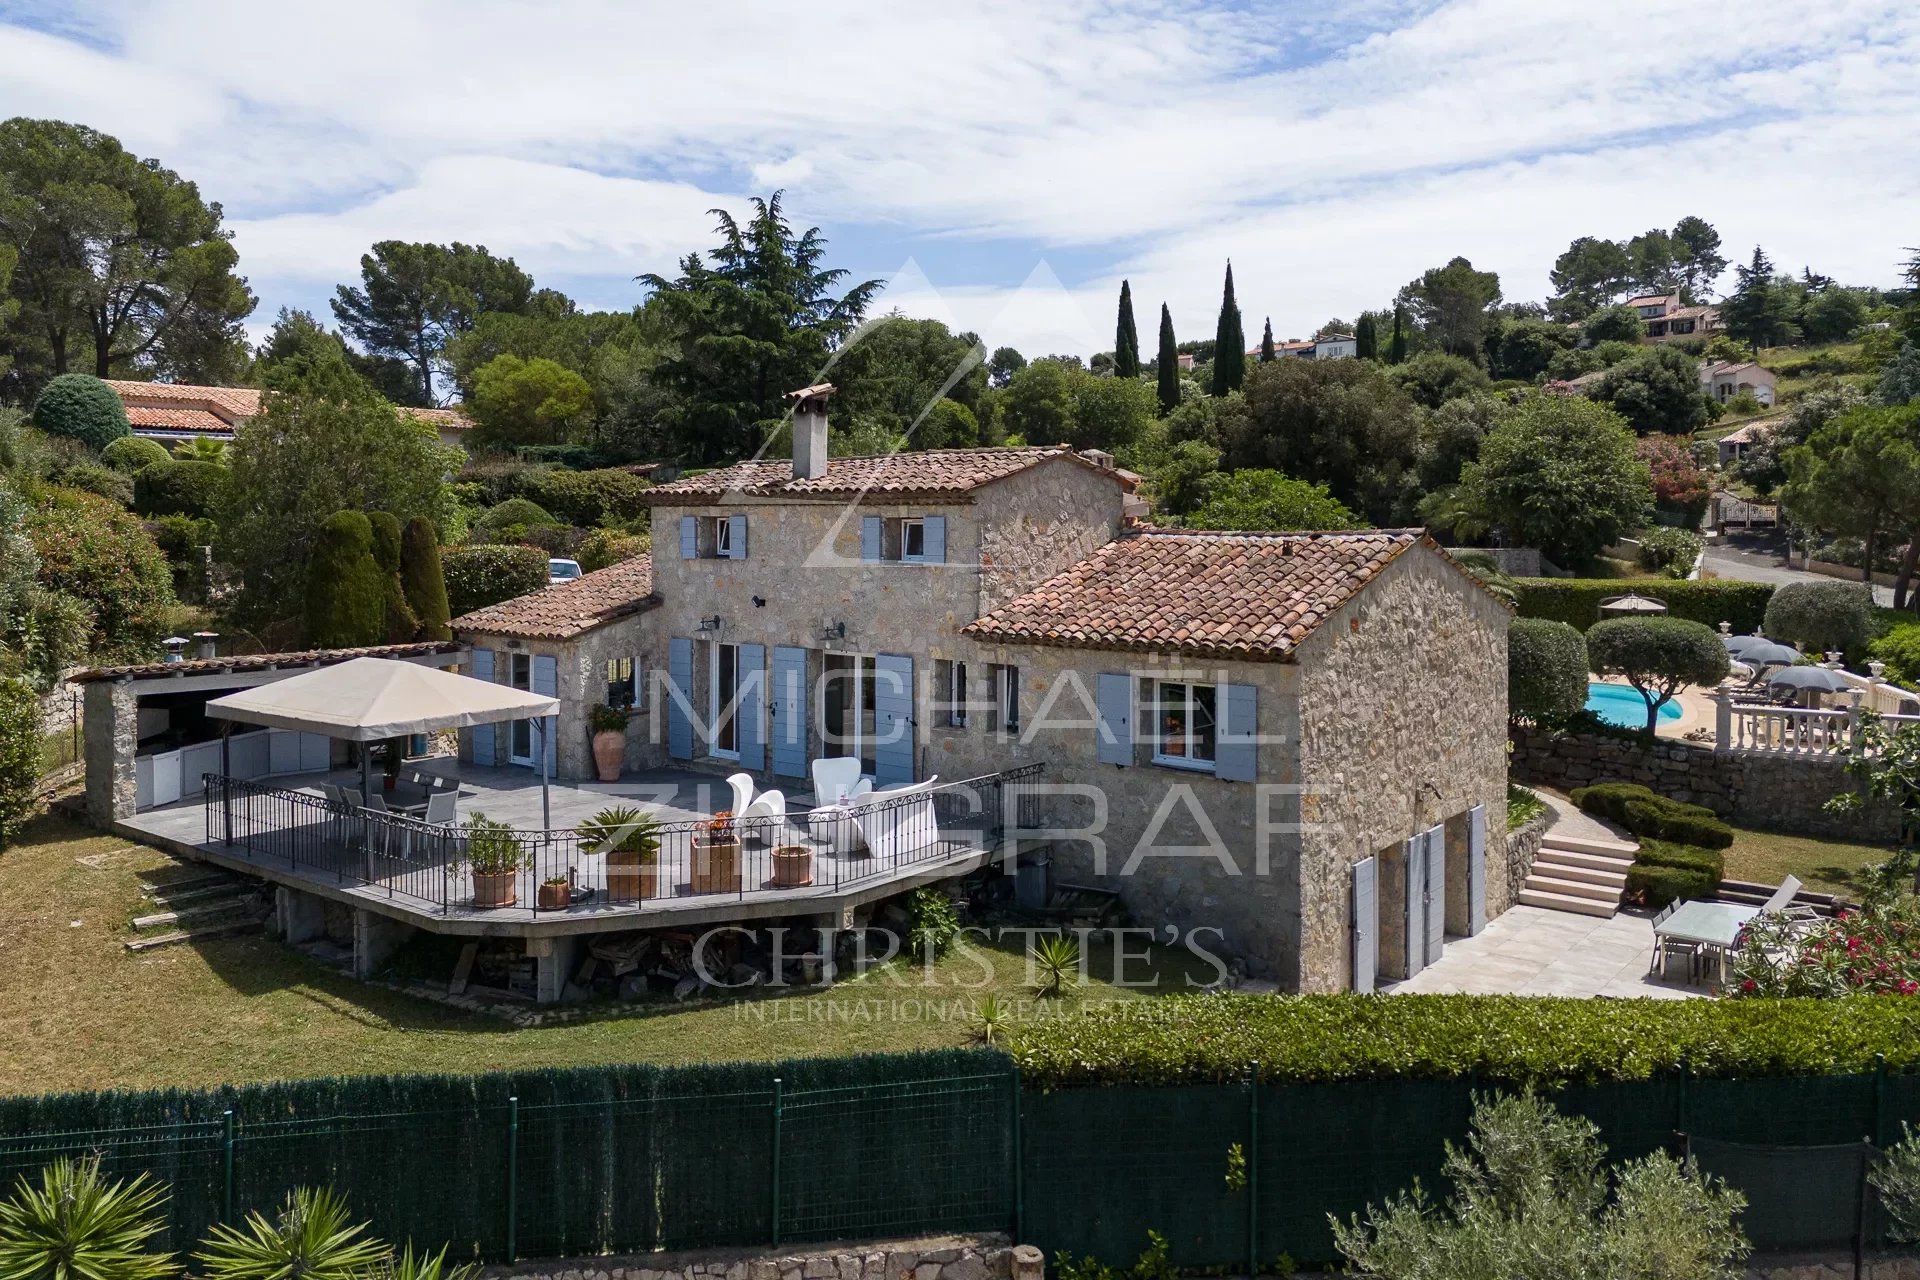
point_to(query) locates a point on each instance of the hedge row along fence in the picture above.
(1576, 601)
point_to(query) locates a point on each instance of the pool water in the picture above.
(1622, 705)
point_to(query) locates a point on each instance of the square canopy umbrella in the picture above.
(370, 699)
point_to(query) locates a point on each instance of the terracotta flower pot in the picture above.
(554, 897)
(496, 889)
(792, 866)
(716, 866)
(629, 879)
(609, 754)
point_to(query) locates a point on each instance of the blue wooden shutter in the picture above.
(934, 539)
(870, 538)
(1234, 756)
(892, 720)
(1366, 924)
(1415, 921)
(1436, 892)
(1113, 696)
(546, 682)
(689, 538)
(788, 702)
(481, 668)
(1476, 869)
(750, 734)
(738, 537)
(679, 698)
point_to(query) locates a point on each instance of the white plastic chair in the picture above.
(834, 776)
(742, 784)
(769, 814)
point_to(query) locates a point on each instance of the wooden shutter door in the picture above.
(892, 720)
(750, 733)
(1113, 696)
(1476, 869)
(1415, 922)
(1436, 902)
(1235, 756)
(679, 698)
(546, 681)
(1366, 924)
(481, 668)
(788, 702)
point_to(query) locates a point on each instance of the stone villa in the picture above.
(1295, 743)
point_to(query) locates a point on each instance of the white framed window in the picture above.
(722, 527)
(1185, 724)
(624, 677)
(951, 679)
(1006, 699)
(913, 540)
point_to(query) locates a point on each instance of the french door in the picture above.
(723, 709)
(520, 738)
(849, 709)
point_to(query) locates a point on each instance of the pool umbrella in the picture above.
(1631, 603)
(1769, 654)
(1738, 645)
(1824, 679)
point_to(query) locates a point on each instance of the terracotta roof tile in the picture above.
(229, 404)
(558, 613)
(929, 472)
(261, 661)
(155, 418)
(1252, 596)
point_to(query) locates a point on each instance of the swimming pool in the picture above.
(1622, 705)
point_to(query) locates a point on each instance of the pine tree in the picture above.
(1126, 338)
(346, 606)
(1366, 338)
(1266, 343)
(1397, 345)
(1168, 364)
(1759, 311)
(1229, 343)
(423, 579)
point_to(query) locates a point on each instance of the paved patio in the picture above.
(1534, 952)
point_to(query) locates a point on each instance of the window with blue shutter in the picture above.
(546, 681)
(1235, 758)
(935, 528)
(870, 539)
(481, 668)
(689, 538)
(1113, 698)
(737, 537)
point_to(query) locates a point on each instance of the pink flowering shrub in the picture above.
(1872, 951)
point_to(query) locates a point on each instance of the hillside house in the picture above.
(1725, 379)
(1294, 743)
(1668, 319)
(171, 412)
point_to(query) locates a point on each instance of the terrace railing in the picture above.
(1796, 731)
(458, 869)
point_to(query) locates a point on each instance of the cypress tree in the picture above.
(1229, 343)
(1126, 338)
(401, 623)
(1169, 364)
(346, 606)
(1366, 338)
(1266, 343)
(1397, 345)
(422, 579)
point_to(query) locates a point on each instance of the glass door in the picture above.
(847, 709)
(726, 690)
(520, 738)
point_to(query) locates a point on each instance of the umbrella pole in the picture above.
(546, 811)
(226, 779)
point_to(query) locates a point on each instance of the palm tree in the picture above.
(309, 1239)
(78, 1225)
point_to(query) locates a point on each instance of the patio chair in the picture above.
(834, 776)
(742, 785)
(1676, 947)
(766, 819)
(1785, 894)
(1659, 919)
(331, 794)
(898, 820)
(442, 808)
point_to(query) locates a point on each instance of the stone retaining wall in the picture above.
(1834, 1266)
(1772, 793)
(983, 1257)
(1523, 845)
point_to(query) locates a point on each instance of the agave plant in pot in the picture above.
(716, 855)
(496, 856)
(629, 839)
(609, 725)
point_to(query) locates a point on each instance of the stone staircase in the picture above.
(1582, 874)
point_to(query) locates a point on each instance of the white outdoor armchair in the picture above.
(898, 820)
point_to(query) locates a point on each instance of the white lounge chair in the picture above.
(837, 776)
(766, 819)
(898, 821)
(1789, 888)
(742, 787)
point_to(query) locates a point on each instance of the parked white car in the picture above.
(559, 571)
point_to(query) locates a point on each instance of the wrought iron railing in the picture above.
(462, 868)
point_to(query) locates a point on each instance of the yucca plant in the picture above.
(990, 1020)
(408, 1265)
(1058, 960)
(621, 829)
(77, 1224)
(310, 1238)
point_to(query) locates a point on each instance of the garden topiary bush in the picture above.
(176, 487)
(1656, 885)
(1822, 616)
(477, 576)
(346, 604)
(1576, 601)
(1648, 814)
(130, 453)
(1546, 670)
(1665, 853)
(401, 623)
(509, 521)
(422, 579)
(80, 407)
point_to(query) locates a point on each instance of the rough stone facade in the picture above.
(111, 725)
(987, 1257)
(580, 685)
(1773, 793)
(1523, 846)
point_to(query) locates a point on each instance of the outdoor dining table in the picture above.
(1707, 924)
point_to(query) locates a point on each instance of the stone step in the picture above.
(1586, 844)
(182, 883)
(1591, 861)
(202, 911)
(195, 934)
(202, 892)
(1578, 906)
(1574, 888)
(1613, 877)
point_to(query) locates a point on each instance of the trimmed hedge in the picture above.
(1656, 885)
(422, 579)
(346, 603)
(1576, 601)
(1501, 1039)
(179, 487)
(1665, 853)
(1822, 616)
(130, 453)
(81, 407)
(481, 575)
(1546, 670)
(1649, 814)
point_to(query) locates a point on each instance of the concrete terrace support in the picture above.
(111, 723)
(375, 939)
(300, 917)
(553, 961)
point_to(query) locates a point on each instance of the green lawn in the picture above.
(78, 1011)
(1825, 866)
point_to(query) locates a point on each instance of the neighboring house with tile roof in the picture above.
(1734, 445)
(1725, 379)
(1298, 739)
(1669, 319)
(172, 411)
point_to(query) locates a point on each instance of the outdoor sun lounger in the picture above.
(1789, 888)
(898, 820)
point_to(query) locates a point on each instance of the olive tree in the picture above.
(1657, 656)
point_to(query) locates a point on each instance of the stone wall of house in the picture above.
(1402, 712)
(983, 1257)
(1773, 793)
(111, 728)
(1038, 524)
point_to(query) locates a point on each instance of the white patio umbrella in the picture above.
(1631, 603)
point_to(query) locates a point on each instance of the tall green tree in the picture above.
(1347, 424)
(1654, 261)
(527, 402)
(415, 298)
(1167, 364)
(121, 267)
(1266, 342)
(1591, 274)
(1697, 257)
(1560, 473)
(1761, 307)
(1657, 392)
(1397, 344)
(1366, 337)
(1126, 337)
(1858, 475)
(1229, 343)
(1261, 500)
(1450, 304)
(900, 369)
(762, 320)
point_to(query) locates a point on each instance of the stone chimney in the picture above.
(810, 431)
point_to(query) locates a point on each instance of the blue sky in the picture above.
(1004, 165)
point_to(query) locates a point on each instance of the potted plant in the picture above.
(792, 866)
(629, 839)
(554, 894)
(396, 751)
(609, 725)
(496, 858)
(716, 856)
